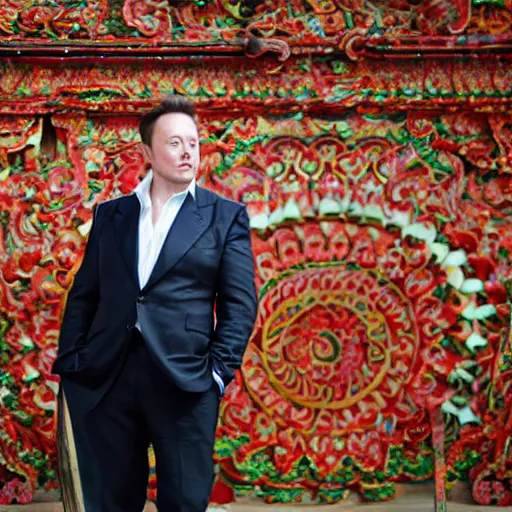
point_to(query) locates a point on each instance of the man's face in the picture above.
(174, 151)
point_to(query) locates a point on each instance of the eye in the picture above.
(174, 143)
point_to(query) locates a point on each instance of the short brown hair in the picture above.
(171, 104)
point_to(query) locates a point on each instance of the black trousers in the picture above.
(144, 407)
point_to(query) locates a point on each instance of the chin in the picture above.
(187, 178)
(181, 178)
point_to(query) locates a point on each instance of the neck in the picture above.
(162, 190)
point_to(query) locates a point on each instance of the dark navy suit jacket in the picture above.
(206, 260)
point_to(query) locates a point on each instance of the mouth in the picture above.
(185, 166)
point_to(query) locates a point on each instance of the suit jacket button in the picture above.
(141, 299)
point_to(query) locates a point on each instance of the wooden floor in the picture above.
(410, 498)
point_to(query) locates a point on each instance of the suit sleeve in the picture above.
(236, 304)
(82, 299)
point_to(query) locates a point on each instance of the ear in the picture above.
(147, 153)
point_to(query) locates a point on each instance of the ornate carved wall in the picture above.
(371, 142)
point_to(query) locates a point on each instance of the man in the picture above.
(141, 359)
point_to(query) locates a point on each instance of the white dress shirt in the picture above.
(152, 236)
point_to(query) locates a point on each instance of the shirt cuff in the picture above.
(219, 382)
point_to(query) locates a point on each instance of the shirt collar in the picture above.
(142, 190)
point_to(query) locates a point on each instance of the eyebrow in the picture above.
(193, 137)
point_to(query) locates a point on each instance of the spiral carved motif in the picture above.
(336, 338)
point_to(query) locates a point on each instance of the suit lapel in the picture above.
(193, 219)
(126, 225)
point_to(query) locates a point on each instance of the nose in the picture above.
(186, 153)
